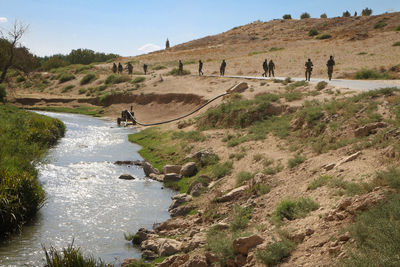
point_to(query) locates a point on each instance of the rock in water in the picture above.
(126, 176)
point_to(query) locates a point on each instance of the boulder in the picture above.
(141, 235)
(129, 262)
(233, 194)
(180, 199)
(189, 169)
(174, 261)
(368, 129)
(240, 260)
(129, 162)
(201, 156)
(151, 245)
(181, 211)
(197, 241)
(149, 255)
(197, 190)
(126, 176)
(171, 169)
(148, 169)
(242, 245)
(349, 158)
(196, 261)
(157, 177)
(211, 258)
(169, 247)
(172, 177)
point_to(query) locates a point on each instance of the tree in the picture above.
(323, 16)
(346, 14)
(305, 15)
(366, 12)
(287, 16)
(9, 48)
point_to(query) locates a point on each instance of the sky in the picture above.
(132, 27)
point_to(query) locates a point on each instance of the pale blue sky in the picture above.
(122, 26)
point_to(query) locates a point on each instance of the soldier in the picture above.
(145, 69)
(271, 68)
(265, 68)
(114, 68)
(180, 68)
(355, 14)
(222, 68)
(200, 68)
(120, 68)
(330, 64)
(130, 68)
(309, 66)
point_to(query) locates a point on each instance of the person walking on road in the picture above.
(222, 68)
(265, 68)
(330, 64)
(200, 68)
(271, 68)
(309, 67)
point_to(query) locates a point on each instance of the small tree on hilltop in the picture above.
(366, 12)
(305, 15)
(346, 14)
(323, 16)
(287, 16)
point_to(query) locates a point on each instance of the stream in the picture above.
(86, 202)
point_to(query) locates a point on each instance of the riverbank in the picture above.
(24, 138)
(276, 184)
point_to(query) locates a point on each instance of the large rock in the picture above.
(149, 255)
(244, 244)
(196, 261)
(148, 169)
(197, 190)
(126, 176)
(180, 199)
(181, 211)
(189, 169)
(196, 241)
(368, 129)
(202, 156)
(174, 261)
(157, 177)
(234, 194)
(171, 169)
(172, 177)
(169, 247)
(141, 235)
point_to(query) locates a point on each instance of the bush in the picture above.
(366, 12)
(88, 78)
(53, 63)
(222, 169)
(313, 32)
(291, 96)
(396, 44)
(397, 28)
(321, 85)
(175, 72)
(139, 79)
(158, 67)
(20, 79)
(115, 79)
(275, 252)
(293, 162)
(240, 218)
(305, 15)
(324, 36)
(380, 24)
(346, 14)
(82, 91)
(220, 244)
(391, 178)
(67, 88)
(320, 181)
(242, 177)
(294, 209)
(369, 74)
(65, 77)
(287, 16)
(323, 16)
(3, 93)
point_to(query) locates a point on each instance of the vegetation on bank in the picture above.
(24, 137)
(91, 111)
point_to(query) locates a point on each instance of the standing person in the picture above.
(180, 69)
(120, 68)
(114, 68)
(309, 67)
(265, 68)
(200, 68)
(222, 68)
(330, 64)
(130, 68)
(145, 69)
(271, 68)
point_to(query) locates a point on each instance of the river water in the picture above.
(86, 202)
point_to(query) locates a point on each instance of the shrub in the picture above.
(242, 177)
(175, 72)
(261, 189)
(396, 44)
(295, 85)
(346, 14)
(323, 16)
(294, 209)
(293, 162)
(313, 32)
(391, 177)
(380, 24)
(273, 49)
(240, 218)
(67, 88)
(321, 85)
(158, 67)
(291, 96)
(366, 12)
(287, 16)
(324, 36)
(320, 181)
(3, 93)
(65, 77)
(220, 244)
(20, 79)
(53, 63)
(115, 78)
(222, 169)
(88, 78)
(397, 28)
(82, 91)
(275, 252)
(305, 15)
(139, 79)
(369, 74)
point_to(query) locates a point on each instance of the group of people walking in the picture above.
(268, 67)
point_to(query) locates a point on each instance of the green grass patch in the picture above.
(273, 49)
(313, 32)
(67, 88)
(321, 85)
(396, 44)
(294, 209)
(175, 72)
(20, 79)
(159, 67)
(220, 170)
(139, 79)
(243, 176)
(195, 136)
(370, 74)
(220, 244)
(397, 28)
(324, 36)
(294, 85)
(91, 111)
(115, 79)
(296, 160)
(65, 77)
(240, 218)
(362, 53)
(237, 156)
(81, 91)
(275, 253)
(380, 24)
(349, 188)
(320, 181)
(292, 96)
(88, 78)
(256, 53)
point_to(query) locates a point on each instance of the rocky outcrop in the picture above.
(141, 235)
(201, 156)
(126, 176)
(181, 211)
(172, 177)
(171, 169)
(369, 129)
(197, 189)
(233, 194)
(149, 169)
(160, 247)
(189, 169)
(129, 162)
(157, 177)
(244, 244)
(174, 261)
(180, 199)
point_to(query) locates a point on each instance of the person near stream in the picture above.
(330, 64)
(265, 68)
